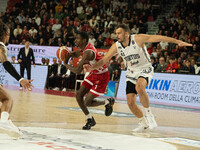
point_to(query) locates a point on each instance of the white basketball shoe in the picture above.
(142, 126)
(7, 128)
(151, 121)
(16, 128)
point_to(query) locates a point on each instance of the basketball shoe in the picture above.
(151, 121)
(7, 128)
(16, 128)
(142, 126)
(109, 106)
(90, 122)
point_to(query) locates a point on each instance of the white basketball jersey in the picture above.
(137, 59)
(6, 51)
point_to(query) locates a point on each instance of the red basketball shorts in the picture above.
(97, 83)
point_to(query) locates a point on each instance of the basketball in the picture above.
(62, 53)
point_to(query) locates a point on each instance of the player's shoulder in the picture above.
(2, 46)
(90, 46)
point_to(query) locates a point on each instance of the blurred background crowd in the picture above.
(55, 23)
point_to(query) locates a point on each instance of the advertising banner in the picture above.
(39, 74)
(110, 91)
(39, 52)
(169, 89)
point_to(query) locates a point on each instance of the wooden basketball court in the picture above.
(41, 108)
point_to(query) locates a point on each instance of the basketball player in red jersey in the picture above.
(95, 83)
(6, 125)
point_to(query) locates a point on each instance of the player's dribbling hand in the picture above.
(26, 84)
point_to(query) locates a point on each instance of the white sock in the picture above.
(4, 116)
(140, 118)
(147, 111)
(89, 116)
(106, 102)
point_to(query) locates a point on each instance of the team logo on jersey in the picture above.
(122, 53)
(133, 42)
(119, 47)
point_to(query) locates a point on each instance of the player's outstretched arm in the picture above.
(106, 58)
(144, 38)
(12, 71)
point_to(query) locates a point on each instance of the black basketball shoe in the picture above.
(90, 122)
(109, 107)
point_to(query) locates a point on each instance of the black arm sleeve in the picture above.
(11, 70)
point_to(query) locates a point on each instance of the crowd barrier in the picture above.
(169, 89)
(38, 73)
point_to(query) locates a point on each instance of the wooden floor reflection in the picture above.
(37, 109)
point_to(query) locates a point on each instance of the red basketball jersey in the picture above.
(102, 69)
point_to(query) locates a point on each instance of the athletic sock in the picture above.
(147, 111)
(106, 102)
(88, 116)
(4, 116)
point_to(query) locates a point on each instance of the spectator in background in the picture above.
(108, 22)
(17, 32)
(82, 15)
(13, 60)
(100, 41)
(183, 36)
(150, 48)
(79, 8)
(43, 61)
(193, 63)
(188, 68)
(135, 29)
(173, 65)
(92, 39)
(59, 7)
(69, 78)
(56, 26)
(52, 73)
(51, 20)
(47, 62)
(114, 65)
(34, 24)
(153, 62)
(21, 18)
(25, 57)
(109, 41)
(37, 19)
(93, 22)
(163, 44)
(105, 46)
(32, 31)
(60, 70)
(105, 33)
(162, 65)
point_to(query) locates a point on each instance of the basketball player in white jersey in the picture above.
(133, 51)
(6, 125)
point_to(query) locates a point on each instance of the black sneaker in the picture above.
(90, 122)
(109, 107)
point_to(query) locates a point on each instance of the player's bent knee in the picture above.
(140, 90)
(87, 103)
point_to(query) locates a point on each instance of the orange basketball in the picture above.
(62, 53)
